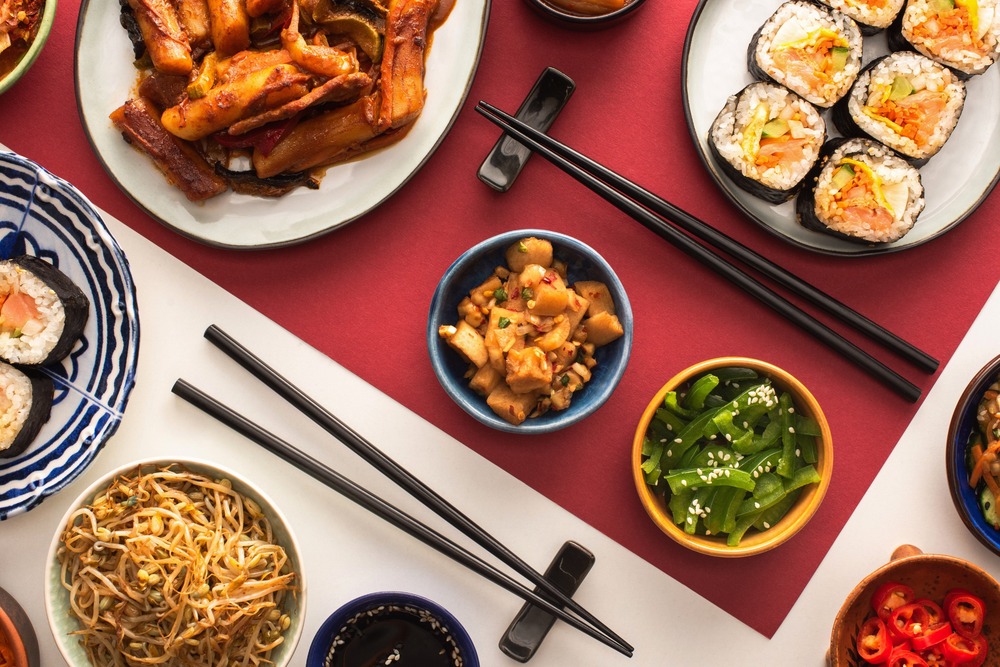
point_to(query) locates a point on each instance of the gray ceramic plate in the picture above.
(955, 181)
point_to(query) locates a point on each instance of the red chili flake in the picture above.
(517, 293)
(549, 277)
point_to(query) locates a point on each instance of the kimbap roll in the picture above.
(42, 312)
(961, 34)
(814, 51)
(766, 139)
(870, 15)
(862, 192)
(25, 402)
(906, 101)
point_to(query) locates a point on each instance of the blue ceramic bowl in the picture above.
(320, 646)
(469, 271)
(963, 425)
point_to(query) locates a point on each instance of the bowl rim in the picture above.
(324, 634)
(195, 464)
(27, 60)
(585, 20)
(553, 421)
(903, 555)
(963, 497)
(803, 509)
(9, 631)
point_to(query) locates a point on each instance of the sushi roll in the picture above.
(766, 139)
(42, 312)
(961, 34)
(862, 192)
(814, 51)
(25, 403)
(906, 101)
(871, 16)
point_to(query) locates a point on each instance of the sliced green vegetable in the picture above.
(786, 410)
(695, 399)
(842, 177)
(693, 478)
(900, 88)
(774, 128)
(839, 55)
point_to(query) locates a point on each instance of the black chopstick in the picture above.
(706, 256)
(377, 505)
(711, 235)
(404, 478)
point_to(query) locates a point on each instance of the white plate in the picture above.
(45, 216)
(956, 180)
(105, 75)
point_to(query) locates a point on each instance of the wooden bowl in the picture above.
(930, 576)
(753, 542)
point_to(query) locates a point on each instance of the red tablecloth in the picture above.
(370, 283)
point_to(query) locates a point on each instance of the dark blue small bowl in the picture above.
(475, 266)
(963, 425)
(320, 646)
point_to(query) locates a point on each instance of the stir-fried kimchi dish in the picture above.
(18, 28)
(258, 96)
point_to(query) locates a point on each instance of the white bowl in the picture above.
(62, 623)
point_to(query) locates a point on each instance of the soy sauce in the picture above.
(394, 635)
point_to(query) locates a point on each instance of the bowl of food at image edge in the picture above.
(18, 643)
(180, 541)
(732, 457)
(22, 38)
(921, 609)
(586, 14)
(381, 628)
(529, 331)
(971, 456)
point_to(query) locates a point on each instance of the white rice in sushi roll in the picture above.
(25, 402)
(41, 311)
(961, 34)
(810, 49)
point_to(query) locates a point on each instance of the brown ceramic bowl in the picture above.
(754, 542)
(930, 576)
(17, 632)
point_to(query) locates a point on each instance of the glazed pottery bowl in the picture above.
(62, 622)
(753, 542)
(930, 576)
(470, 270)
(383, 614)
(963, 427)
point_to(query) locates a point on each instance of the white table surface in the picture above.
(348, 552)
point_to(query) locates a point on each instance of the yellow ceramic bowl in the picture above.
(754, 542)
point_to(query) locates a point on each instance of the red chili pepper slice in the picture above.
(873, 642)
(966, 612)
(905, 658)
(934, 611)
(889, 597)
(263, 138)
(909, 621)
(962, 650)
(933, 634)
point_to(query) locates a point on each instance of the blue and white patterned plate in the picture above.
(43, 215)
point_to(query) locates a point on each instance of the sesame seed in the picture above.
(756, 505)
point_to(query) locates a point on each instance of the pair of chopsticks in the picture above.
(682, 229)
(582, 620)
